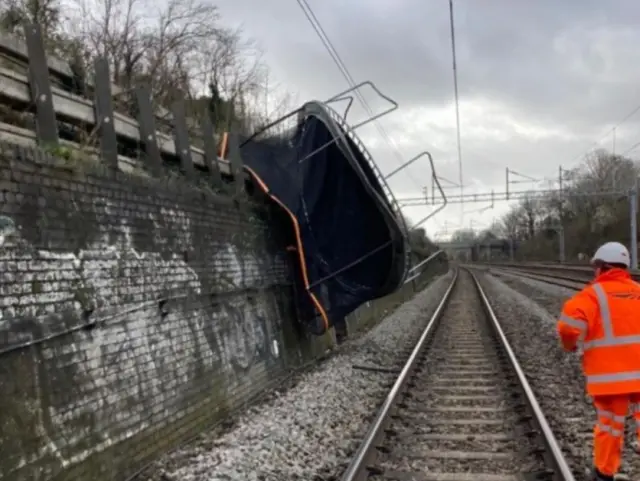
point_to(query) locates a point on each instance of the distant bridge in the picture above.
(493, 244)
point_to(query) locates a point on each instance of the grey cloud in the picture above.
(538, 58)
(505, 50)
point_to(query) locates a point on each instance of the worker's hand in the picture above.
(566, 347)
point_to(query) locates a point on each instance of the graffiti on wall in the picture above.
(250, 315)
(248, 335)
(139, 352)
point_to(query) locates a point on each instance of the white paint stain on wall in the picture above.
(7, 228)
(133, 370)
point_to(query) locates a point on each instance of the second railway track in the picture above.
(568, 281)
(461, 409)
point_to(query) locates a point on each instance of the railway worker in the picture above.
(604, 319)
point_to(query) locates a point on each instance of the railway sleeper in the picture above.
(462, 412)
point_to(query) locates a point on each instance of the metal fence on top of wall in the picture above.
(45, 103)
(139, 302)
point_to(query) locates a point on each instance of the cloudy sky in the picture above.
(540, 82)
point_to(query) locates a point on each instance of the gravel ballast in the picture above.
(460, 378)
(310, 431)
(549, 296)
(528, 310)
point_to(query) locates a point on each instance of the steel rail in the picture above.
(356, 470)
(579, 269)
(554, 456)
(553, 279)
(359, 460)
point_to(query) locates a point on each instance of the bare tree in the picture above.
(586, 218)
(14, 14)
(179, 48)
(273, 105)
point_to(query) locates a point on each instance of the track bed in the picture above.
(462, 412)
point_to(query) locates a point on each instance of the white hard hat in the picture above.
(612, 253)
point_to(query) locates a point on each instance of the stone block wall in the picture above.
(132, 311)
(134, 314)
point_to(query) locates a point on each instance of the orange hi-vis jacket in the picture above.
(605, 318)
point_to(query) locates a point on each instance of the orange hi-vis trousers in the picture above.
(608, 434)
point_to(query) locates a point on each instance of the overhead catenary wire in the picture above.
(609, 132)
(631, 149)
(456, 98)
(335, 56)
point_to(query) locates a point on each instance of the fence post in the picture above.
(147, 128)
(40, 87)
(103, 105)
(181, 139)
(235, 160)
(211, 150)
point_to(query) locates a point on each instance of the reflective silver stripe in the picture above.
(610, 415)
(609, 338)
(573, 322)
(634, 407)
(616, 341)
(608, 429)
(620, 376)
(583, 334)
(605, 313)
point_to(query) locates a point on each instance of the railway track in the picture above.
(573, 271)
(568, 281)
(548, 368)
(461, 408)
